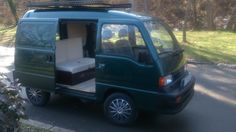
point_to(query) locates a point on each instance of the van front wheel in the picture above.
(37, 97)
(120, 109)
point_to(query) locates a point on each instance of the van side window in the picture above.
(124, 40)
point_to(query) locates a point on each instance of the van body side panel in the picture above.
(144, 99)
(122, 71)
(126, 75)
(35, 53)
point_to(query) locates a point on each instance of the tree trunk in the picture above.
(133, 4)
(210, 17)
(232, 22)
(186, 17)
(12, 6)
(195, 22)
(145, 6)
(184, 28)
(157, 3)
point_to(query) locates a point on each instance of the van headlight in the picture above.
(164, 81)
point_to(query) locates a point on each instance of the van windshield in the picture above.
(162, 39)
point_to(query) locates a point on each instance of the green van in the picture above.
(127, 62)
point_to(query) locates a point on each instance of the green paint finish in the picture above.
(126, 72)
(38, 80)
(35, 53)
(35, 57)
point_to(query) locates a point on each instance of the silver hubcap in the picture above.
(35, 95)
(120, 109)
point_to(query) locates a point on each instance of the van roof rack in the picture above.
(88, 4)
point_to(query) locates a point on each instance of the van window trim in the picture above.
(23, 20)
(123, 56)
(127, 58)
(167, 28)
(60, 20)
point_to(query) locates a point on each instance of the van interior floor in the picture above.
(87, 86)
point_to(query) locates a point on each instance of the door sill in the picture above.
(76, 93)
(87, 86)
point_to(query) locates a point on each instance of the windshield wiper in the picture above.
(178, 51)
(173, 52)
(166, 52)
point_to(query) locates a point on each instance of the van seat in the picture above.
(76, 66)
(69, 49)
(71, 66)
(69, 56)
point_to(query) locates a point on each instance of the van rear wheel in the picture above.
(37, 97)
(120, 109)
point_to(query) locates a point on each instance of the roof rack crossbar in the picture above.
(78, 4)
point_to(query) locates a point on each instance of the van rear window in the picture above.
(36, 34)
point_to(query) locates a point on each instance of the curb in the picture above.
(191, 61)
(221, 65)
(230, 66)
(44, 126)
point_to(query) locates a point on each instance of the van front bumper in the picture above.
(174, 102)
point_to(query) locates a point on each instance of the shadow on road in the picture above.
(216, 82)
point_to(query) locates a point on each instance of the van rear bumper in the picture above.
(175, 102)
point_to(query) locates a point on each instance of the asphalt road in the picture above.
(212, 109)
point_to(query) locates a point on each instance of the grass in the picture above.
(7, 36)
(27, 128)
(210, 46)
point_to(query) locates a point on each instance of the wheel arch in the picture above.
(114, 90)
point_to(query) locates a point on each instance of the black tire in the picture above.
(37, 97)
(120, 109)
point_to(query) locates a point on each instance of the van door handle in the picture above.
(100, 66)
(49, 58)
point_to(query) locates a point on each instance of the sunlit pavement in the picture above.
(7, 63)
(6, 59)
(217, 83)
(212, 109)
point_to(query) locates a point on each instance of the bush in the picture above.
(11, 105)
